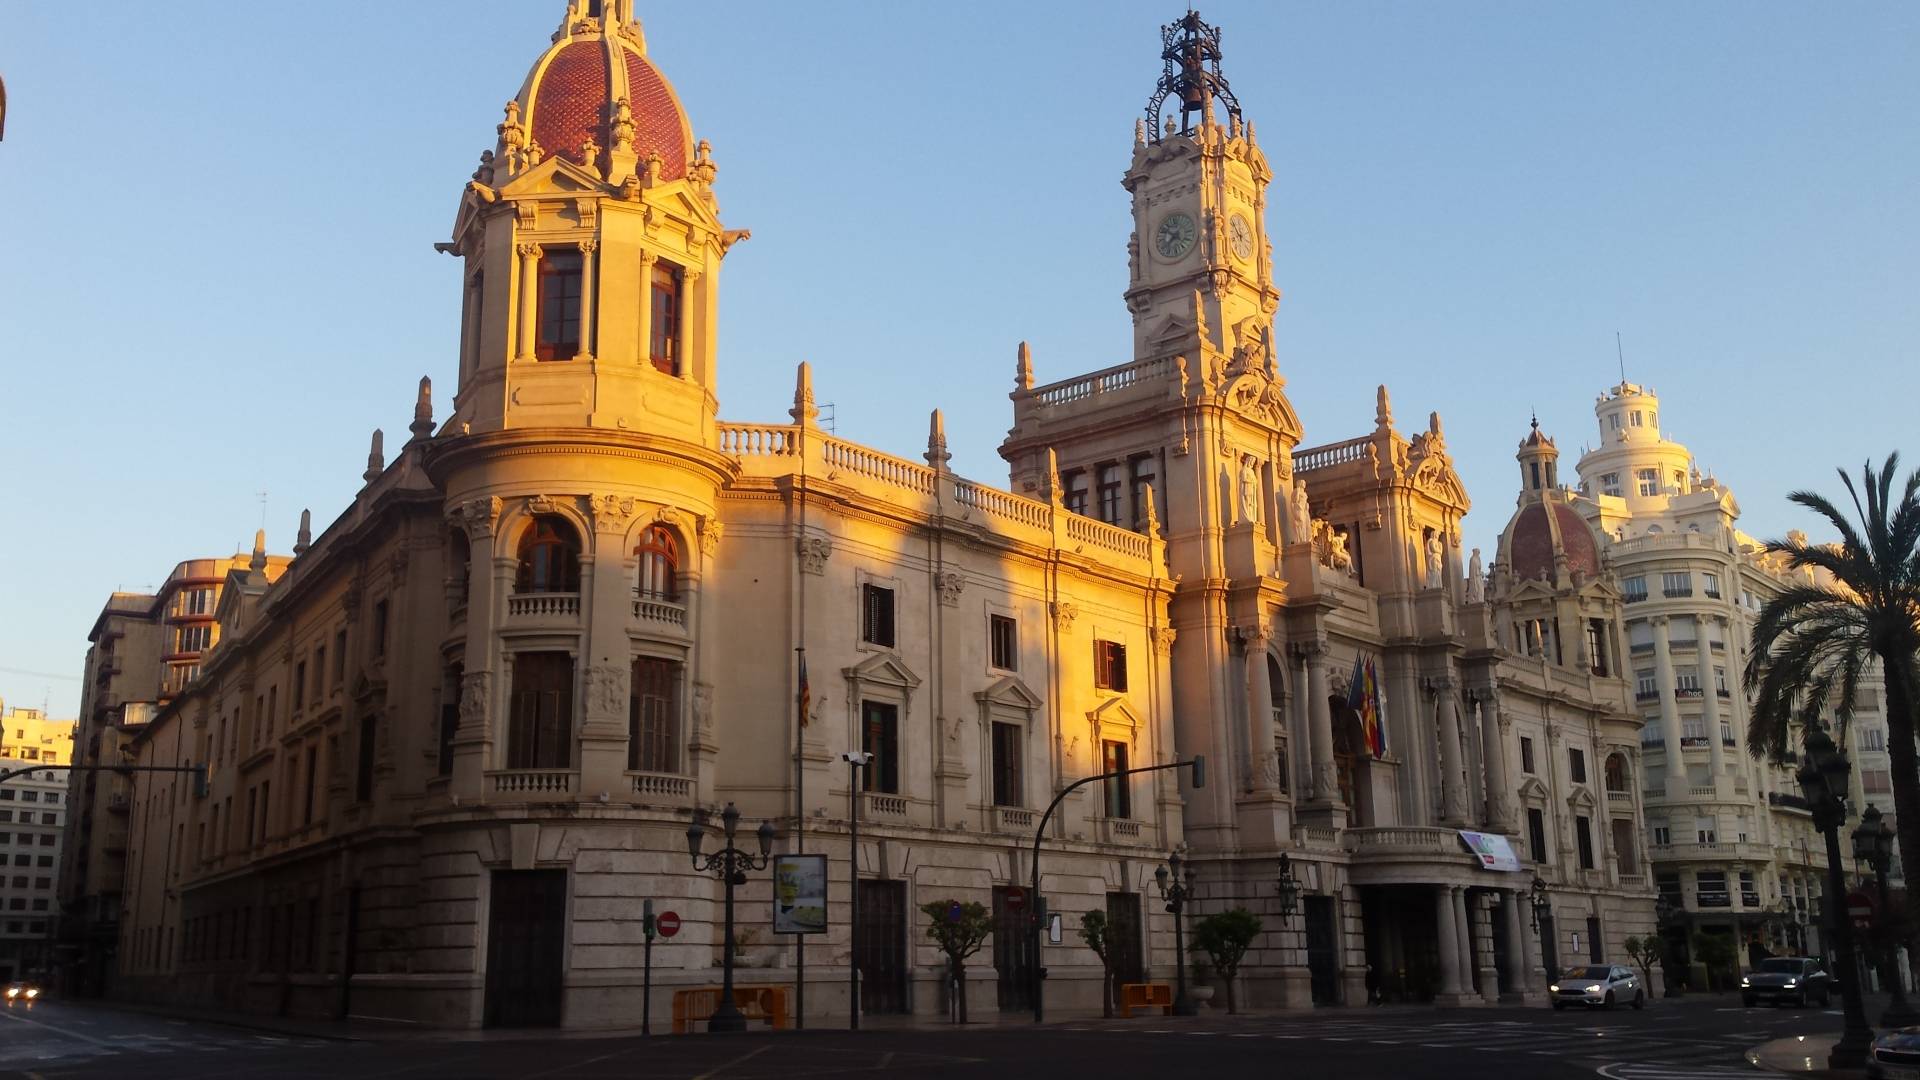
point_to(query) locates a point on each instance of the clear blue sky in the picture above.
(217, 222)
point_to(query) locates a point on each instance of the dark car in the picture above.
(1780, 979)
(22, 993)
(1896, 1055)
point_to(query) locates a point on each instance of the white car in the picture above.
(1600, 986)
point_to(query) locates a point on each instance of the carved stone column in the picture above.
(1447, 939)
(1259, 712)
(587, 336)
(1669, 709)
(480, 691)
(529, 298)
(1453, 797)
(1493, 742)
(1710, 705)
(647, 259)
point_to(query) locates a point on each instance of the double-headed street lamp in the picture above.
(1823, 779)
(1542, 905)
(1289, 889)
(1873, 843)
(856, 760)
(1176, 896)
(732, 865)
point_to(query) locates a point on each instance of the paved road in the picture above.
(1692, 1039)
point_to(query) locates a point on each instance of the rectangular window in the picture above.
(1713, 586)
(653, 715)
(1583, 835)
(313, 774)
(253, 814)
(1677, 584)
(319, 673)
(449, 727)
(1141, 483)
(363, 772)
(880, 737)
(1110, 494)
(1647, 479)
(1610, 482)
(1003, 641)
(1006, 764)
(299, 687)
(540, 723)
(1876, 781)
(1749, 890)
(1577, 765)
(1537, 834)
(1074, 491)
(1526, 754)
(273, 709)
(1707, 830)
(1634, 589)
(1687, 680)
(339, 656)
(664, 347)
(876, 615)
(1873, 738)
(1662, 835)
(1109, 665)
(380, 628)
(1119, 789)
(266, 807)
(1712, 888)
(1645, 685)
(559, 320)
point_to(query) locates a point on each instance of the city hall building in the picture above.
(457, 741)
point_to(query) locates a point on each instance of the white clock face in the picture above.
(1240, 236)
(1175, 236)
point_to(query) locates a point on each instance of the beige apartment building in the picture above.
(1733, 846)
(33, 813)
(459, 740)
(144, 649)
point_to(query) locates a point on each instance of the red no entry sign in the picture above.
(1016, 897)
(1860, 905)
(667, 923)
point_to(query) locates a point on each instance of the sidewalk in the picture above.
(1802, 1054)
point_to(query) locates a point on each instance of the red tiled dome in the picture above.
(1530, 542)
(571, 96)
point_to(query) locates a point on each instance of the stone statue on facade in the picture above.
(1435, 560)
(1302, 514)
(1249, 490)
(1476, 580)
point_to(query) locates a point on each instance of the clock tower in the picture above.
(1199, 262)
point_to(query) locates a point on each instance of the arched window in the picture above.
(658, 575)
(549, 558)
(1617, 773)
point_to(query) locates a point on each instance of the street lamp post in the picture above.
(1176, 896)
(1664, 915)
(1289, 889)
(732, 865)
(1873, 842)
(1543, 921)
(1824, 781)
(856, 760)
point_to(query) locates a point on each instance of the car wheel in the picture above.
(1639, 999)
(1608, 1003)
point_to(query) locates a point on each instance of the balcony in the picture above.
(1723, 692)
(1687, 693)
(1787, 801)
(1646, 695)
(1634, 597)
(669, 787)
(1620, 796)
(119, 803)
(551, 605)
(664, 612)
(881, 806)
(1675, 593)
(1693, 742)
(1653, 793)
(534, 781)
(1412, 840)
(1119, 831)
(1013, 819)
(1644, 648)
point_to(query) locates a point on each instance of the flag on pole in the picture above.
(1363, 697)
(806, 692)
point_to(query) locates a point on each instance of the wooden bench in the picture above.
(697, 1003)
(1145, 996)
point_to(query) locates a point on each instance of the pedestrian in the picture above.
(1373, 986)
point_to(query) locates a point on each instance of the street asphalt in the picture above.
(1693, 1038)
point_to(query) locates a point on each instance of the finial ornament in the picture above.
(804, 412)
(1023, 369)
(622, 126)
(304, 540)
(1054, 494)
(937, 455)
(703, 170)
(259, 561)
(422, 425)
(376, 458)
(1382, 408)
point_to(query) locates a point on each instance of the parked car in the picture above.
(22, 993)
(1895, 1055)
(1598, 986)
(1798, 979)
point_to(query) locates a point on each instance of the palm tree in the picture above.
(1815, 642)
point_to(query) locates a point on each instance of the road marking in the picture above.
(57, 1031)
(741, 1060)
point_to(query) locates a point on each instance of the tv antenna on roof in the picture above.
(1621, 354)
(263, 508)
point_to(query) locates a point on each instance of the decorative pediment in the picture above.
(1259, 398)
(1114, 715)
(1532, 790)
(1169, 331)
(368, 691)
(556, 175)
(883, 669)
(1581, 799)
(1010, 693)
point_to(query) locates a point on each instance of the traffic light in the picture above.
(1199, 770)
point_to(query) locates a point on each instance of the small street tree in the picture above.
(959, 928)
(1715, 952)
(1643, 951)
(1225, 937)
(1093, 931)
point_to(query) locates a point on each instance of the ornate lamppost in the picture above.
(1289, 888)
(1176, 895)
(1665, 914)
(1542, 905)
(1873, 842)
(732, 865)
(1823, 779)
